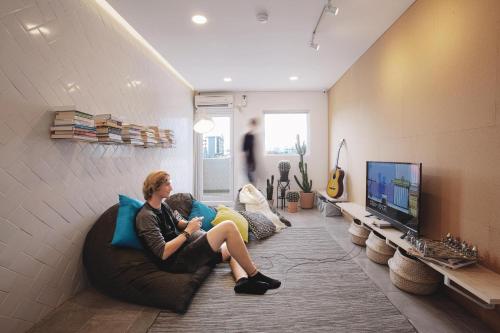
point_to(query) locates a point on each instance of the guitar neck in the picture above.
(338, 154)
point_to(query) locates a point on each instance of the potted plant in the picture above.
(293, 198)
(270, 190)
(284, 168)
(306, 195)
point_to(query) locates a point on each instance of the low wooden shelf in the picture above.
(475, 282)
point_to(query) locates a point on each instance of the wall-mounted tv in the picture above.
(393, 191)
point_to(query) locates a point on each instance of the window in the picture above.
(281, 129)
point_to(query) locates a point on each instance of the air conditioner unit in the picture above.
(213, 101)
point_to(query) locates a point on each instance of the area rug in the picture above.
(323, 290)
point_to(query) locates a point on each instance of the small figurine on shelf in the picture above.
(293, 198)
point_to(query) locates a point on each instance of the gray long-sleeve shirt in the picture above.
(155, 227)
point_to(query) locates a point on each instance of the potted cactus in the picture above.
(284, 168)
(270, 190)
(306, 195)
(293, 198)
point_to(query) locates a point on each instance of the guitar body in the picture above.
(335, 187)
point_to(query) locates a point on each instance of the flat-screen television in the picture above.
(393, 193)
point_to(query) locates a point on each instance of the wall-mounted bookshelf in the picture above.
(71, 124)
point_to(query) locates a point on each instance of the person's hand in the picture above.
(193, 225)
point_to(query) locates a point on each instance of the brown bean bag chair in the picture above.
(130, 275)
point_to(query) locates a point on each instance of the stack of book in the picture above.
(131, 134)
(167, 138)
(162, 136)
(73, 124)
(148, 137)
(109, 128)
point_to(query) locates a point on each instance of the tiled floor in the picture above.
(90, 311)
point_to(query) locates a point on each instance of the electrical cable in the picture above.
(344, 257)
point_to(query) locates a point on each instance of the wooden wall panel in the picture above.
(429, 91)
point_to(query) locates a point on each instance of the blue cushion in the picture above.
(125, 234)
(200, 209)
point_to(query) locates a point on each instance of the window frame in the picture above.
(307, 140)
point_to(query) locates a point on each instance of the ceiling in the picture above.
(260, 57)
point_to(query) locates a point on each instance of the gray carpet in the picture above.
(333, 295)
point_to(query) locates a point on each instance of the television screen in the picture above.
(393, 192)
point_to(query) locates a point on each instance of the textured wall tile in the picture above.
(24, 220)
(9, 305)
(22, 285)
(46, 10)
(44, 213)
(3, 296)
(51, 192)
(50, 296)
(7, 279)
(30, 17)
(7, 255)
(8, 324)
(11, 201)
(24, 175)
(7, 230)
(28, 311)
(26, 265)
(48, 255)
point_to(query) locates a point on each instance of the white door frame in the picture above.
(228, 199)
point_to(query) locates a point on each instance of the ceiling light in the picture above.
(199, 19)
(227, 79)
(262, 17)
(293, 78)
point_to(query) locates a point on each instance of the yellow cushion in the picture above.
(224, 213)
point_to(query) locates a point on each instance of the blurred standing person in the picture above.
(249, 150)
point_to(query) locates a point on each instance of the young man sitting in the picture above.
(182, 247)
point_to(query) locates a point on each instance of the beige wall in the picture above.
(429, 91)
(69, 52)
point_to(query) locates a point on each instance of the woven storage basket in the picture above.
(358, 232)
(377, 250)
(411, 275)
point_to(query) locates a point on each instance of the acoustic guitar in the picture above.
(335, 187)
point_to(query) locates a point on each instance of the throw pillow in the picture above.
(181, 202)
(125, 234)
(261, 226)
(224, 213)
(200, 209)
(281, 217)
(238, 206)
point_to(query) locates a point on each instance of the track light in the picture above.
(330, 9)
(314, 45)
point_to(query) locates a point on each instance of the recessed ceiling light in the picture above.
(293, 78)
(227, 79)
(199, 19)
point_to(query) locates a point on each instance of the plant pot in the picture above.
(306, 200)
(292, 207)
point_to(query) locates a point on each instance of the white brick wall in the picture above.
(69, 52)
